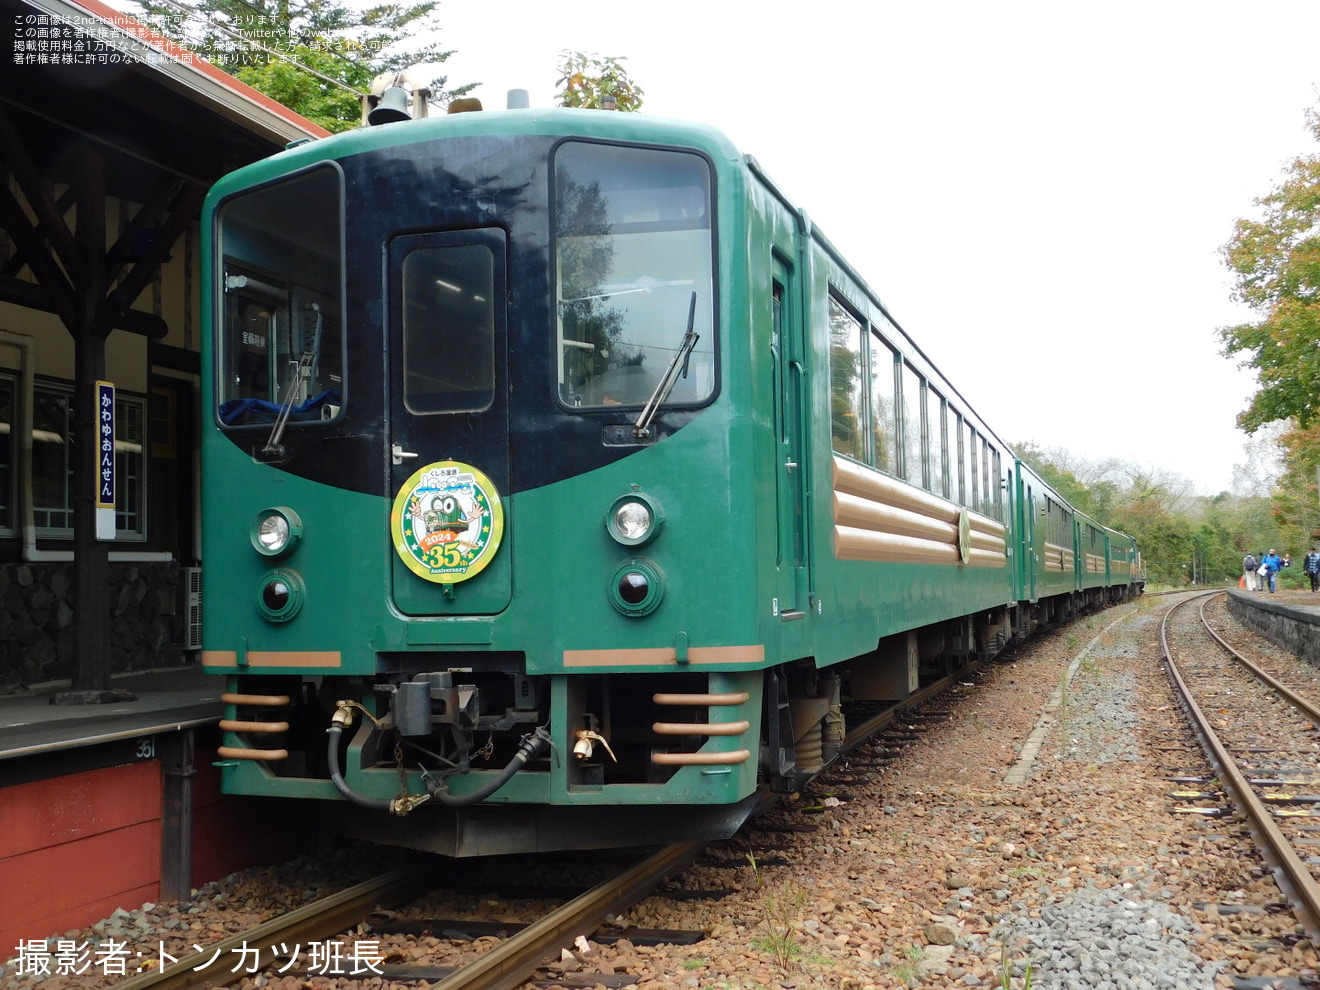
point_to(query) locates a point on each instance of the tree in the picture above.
(1276, 263)
(589, 79)
(317, 57)
(1258, 472)
(1296, 499)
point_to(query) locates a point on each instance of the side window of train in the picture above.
(280, 329)
(973, 469)
(884, 404)
(957, 458)
(634, 274)
(914, 463)
(987, 493)
(938, 409)
(847, 411)
(997, 503)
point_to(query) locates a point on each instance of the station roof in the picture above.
(104, 82)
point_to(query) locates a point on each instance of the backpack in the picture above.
(1249, 562)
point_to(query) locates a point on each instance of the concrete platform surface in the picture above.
(165, 700)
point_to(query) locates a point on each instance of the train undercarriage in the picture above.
(476, 757)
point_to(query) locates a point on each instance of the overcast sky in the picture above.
(1038, 191)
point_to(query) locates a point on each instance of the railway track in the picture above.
(1260, 736)
(506, 965)
(512, 960)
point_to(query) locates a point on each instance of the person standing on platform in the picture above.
(1272, 563)
(1312, 567)
(1249, 575)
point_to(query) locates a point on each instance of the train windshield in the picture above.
(634, 274)
(280, 340)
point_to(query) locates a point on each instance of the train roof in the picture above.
(549, 121)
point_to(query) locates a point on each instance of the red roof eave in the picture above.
(233, 93)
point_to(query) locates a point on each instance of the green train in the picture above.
(562, 483)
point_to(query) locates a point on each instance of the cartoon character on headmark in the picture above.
(445, 513)
(444, 521)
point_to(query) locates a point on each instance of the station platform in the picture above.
(1288, 619)
(112, 805)
(166, 700)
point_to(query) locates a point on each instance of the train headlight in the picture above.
(280, 594)
(637, 587)
(275, 531)
(633, 520)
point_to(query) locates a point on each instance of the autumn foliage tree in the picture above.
(1275, 260)
(588, 80)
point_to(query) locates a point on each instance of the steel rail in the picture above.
(315, 922)
(1304, 891)
(510, 963)
(1295, 699)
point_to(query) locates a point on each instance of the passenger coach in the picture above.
(559, 471)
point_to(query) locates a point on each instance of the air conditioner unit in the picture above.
(192, 611)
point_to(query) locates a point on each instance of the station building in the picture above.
(109, 138)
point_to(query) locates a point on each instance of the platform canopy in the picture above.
(83, 73)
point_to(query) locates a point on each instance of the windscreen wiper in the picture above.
(301, 374)
(678, 368)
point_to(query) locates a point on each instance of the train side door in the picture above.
(1031, 559)
(793, 599)
(448, 427)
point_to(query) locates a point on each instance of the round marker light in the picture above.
(280, 595)
(275, 596)
(633, 520)
(275, 530)
(634, 587)
(637, 587)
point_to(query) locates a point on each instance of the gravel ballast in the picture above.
(932, 869)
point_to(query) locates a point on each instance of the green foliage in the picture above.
(1095, 500)
(780, 911)
(587, 79)
(1006, 968)
(316, 57)
(1276, 264)
(1295, 503)
(1184, 539)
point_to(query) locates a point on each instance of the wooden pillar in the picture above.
(91, 667)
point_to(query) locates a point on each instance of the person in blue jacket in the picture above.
(1272, 563)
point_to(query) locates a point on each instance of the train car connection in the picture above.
(561, 481)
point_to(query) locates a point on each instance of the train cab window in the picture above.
(847, 413)
(884, 405)
(280, 343)
(634, 276)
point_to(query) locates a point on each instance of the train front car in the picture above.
(471, 543)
